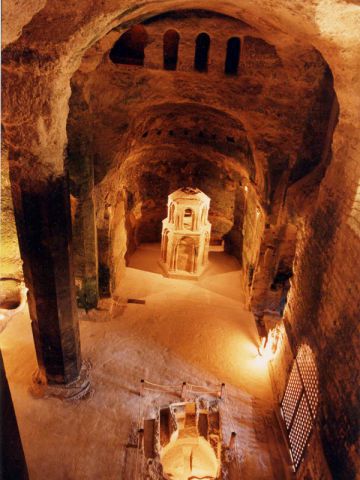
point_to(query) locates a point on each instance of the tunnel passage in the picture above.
(229, 151)
(159, 160)
(242, 145)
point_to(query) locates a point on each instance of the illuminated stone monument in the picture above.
(186, 234)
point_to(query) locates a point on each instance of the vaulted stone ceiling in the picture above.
(282, 101)
(209, 129)
(278, 28)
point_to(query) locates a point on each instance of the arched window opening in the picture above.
(129, 49)
(188, 219)
(171, 48)
(202, 52)
(185, 255)
(232, 56)
(300, 403)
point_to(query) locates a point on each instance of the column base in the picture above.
(76, 390)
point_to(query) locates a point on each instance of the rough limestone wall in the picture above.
(280, 365)
(151, 177)
(253, 228)
(235, 238)
(118, 243)
(323, 307)
(15, 14)
(10, 261)
(314, 466)
(271, 279)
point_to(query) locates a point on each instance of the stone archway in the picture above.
(185, 254)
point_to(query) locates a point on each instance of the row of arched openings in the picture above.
(130, 50)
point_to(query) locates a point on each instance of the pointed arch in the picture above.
(189, 219)
(185, 254)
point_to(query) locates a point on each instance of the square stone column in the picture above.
(43, 220)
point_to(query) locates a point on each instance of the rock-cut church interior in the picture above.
(180, 240)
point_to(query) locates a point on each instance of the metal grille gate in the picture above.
(300, 402)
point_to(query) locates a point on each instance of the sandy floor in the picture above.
(188, 331)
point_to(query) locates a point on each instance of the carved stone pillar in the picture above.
(42, 214)
(35, 103)
(81, 172)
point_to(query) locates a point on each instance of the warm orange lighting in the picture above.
(269, 344)
(189, 457)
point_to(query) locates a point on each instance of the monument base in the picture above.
(181, 274)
